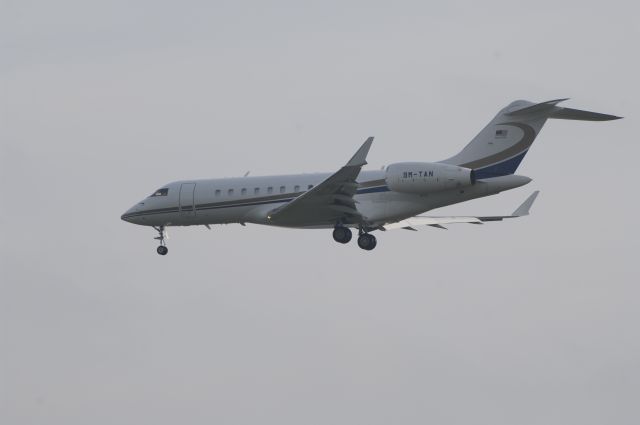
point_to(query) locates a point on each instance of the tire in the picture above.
(367, 241)
(162, 250)
(342, 234)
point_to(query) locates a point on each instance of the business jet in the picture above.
(391, 198)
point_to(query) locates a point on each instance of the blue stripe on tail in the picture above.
(503, 168)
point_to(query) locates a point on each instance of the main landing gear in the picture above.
(343, 234)
(367, 241)
(162, 249)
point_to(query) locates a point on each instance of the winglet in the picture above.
(526, 205)
(360, 157)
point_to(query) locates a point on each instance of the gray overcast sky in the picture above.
(531, 321)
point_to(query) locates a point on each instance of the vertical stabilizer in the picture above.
(500, 147)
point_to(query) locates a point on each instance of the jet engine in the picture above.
(424, 177)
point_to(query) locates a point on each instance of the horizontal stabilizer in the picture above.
(577, 114)
(549, 105)
(549, 109)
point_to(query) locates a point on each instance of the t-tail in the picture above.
(500, 147)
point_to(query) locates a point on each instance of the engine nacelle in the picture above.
(424, 177)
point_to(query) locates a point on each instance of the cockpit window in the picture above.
(160, 192)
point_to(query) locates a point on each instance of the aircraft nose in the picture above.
(128, 214)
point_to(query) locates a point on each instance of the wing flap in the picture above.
(344, 209)
(439, 222)
(430, 221)
(346, 199)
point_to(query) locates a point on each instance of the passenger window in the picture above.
(243, 192)
(296, 188)
(282, 189)
(218, 192)
(230, 192)
(270, 189)
(256, 191)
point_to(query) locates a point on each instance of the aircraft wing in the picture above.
(330, 201)
(413, 222)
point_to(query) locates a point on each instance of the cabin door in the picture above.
(187, 207)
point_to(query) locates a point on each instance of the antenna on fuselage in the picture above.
(246, 174)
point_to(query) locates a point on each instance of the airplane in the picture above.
(351, 198)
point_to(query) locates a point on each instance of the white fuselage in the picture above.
(365, 200)
(249, 199)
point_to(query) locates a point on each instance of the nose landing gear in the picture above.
(162, 235)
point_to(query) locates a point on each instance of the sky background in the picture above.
(530, 321)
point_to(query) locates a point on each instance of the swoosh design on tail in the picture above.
(520, 147)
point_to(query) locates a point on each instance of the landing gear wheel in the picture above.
(367, 241)
(342, 234)
(162, 249)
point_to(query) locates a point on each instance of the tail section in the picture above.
(500, 147)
